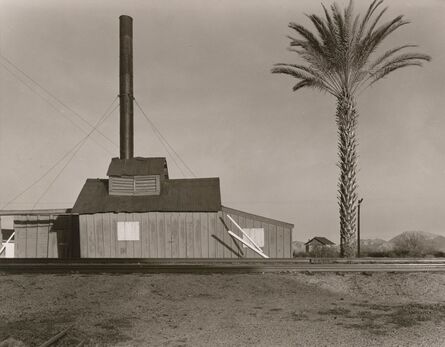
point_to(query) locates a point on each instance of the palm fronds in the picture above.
(341, 49)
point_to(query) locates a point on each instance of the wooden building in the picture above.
(43, 234)
(139, 212)
(174, 218)
(318, 242)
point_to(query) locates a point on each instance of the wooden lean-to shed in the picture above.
(48, 233)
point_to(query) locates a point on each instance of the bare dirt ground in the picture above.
(371, 309)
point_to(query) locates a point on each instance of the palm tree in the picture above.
(339, 59)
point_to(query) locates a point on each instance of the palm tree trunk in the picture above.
(346, 119)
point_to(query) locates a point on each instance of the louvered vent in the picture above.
(147, 185)
(137, 185)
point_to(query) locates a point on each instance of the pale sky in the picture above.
(202, 74)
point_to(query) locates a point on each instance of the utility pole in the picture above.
(358, 228)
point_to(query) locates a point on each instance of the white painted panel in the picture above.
(9, 250)
(128, 231)
(256, 234)
(7, 222)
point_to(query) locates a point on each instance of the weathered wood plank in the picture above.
(153, 235)
(189, 235)
(241, 220)
(31, 236)
(99, 232)
(220, 231)
(113, 246)
(182, 239)
(53, 251)
(231, 243)
(137, 253)
(129, 244)
(232, 249)
(122, 251)
(263, 225)
(83, 236)
(196, 235)
(52, 245)
(250, 253)
(75, 245)
(42, 239)
(60, 225)
(174, 227)
(287, 243)
(145, 236)
(272, 240)
(204, 232)
(280, 242)
(91, 236)
(211, 231)
(258, 224)
(168, 234)
(161, 234)
(20, 237)
(106, 234)
(227, 239)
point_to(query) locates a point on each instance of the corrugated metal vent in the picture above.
(137, 185)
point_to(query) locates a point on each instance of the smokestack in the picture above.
(126, 86)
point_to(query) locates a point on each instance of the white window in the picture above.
(128, 231)
(256, 234)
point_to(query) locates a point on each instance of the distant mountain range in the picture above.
(429, 240)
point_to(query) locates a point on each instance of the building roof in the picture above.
(229, 210)
(177, 195)
(323, 240)
(138, 166)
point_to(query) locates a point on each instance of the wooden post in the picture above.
(247, 236)
(247, 244)
(55, 338)
(358, 228)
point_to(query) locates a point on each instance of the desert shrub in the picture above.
(412, 245)
(379, 254)
(299, 254)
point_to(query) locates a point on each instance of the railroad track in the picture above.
(213, 266)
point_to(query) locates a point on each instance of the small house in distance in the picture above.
(318, 242)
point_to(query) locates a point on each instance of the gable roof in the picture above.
(323, 240)
(138, 166)
(177, 195)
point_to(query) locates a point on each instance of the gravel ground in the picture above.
(344, 309)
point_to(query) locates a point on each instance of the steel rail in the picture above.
(209, 267)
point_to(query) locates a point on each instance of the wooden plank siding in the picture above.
(46, 236)
(180, 235)
(277, 234)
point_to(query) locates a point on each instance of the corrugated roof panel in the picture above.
(178, 195)
(138, 166)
